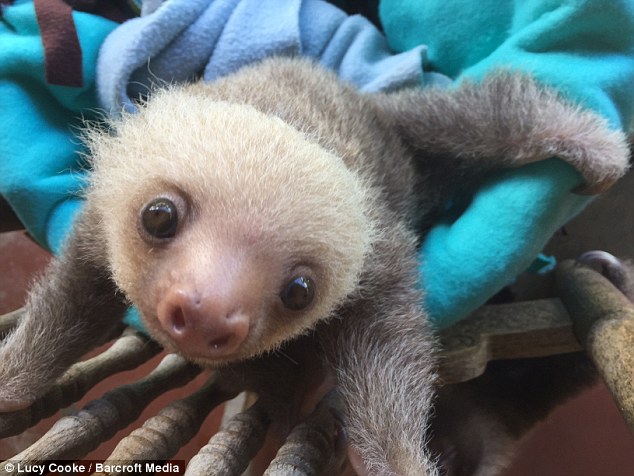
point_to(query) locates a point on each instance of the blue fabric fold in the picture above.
(582, 48)
(186, 39)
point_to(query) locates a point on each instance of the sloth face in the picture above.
(233, 232)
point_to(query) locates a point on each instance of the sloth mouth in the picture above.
(218, 350)
(217, 344)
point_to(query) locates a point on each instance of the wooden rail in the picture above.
(591, 314)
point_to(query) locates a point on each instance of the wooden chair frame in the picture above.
(590, 314)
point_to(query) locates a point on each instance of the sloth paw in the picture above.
(618, 272)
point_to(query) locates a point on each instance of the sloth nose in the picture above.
(204, 327)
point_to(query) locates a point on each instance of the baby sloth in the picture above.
(276, 205)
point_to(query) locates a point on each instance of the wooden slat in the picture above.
(72, 437)
(602, 318)
(10, 320)
(230, 451)
(126, 353)
(164, 434)
(505, 331)
(604, 321)
(310, 448)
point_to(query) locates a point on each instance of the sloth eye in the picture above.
(160, 218)
(298, 293)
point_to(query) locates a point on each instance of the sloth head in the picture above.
(230, 231)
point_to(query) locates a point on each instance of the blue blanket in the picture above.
(583, 48)
(182, 40)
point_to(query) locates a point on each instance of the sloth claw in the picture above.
(602, 258)
(612, 268)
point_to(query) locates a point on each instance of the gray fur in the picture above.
(71, 309)
(376, 340)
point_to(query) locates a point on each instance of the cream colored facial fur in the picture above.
(254, 188)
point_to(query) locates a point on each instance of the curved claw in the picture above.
(605, 259)
(612, 268)
(599, 256)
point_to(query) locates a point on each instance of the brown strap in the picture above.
(61, 44)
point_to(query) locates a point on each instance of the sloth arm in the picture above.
(73, 308)
(594, 69)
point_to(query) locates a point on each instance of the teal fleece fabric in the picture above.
(582, 48)
(464, 260)
(41, 173)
